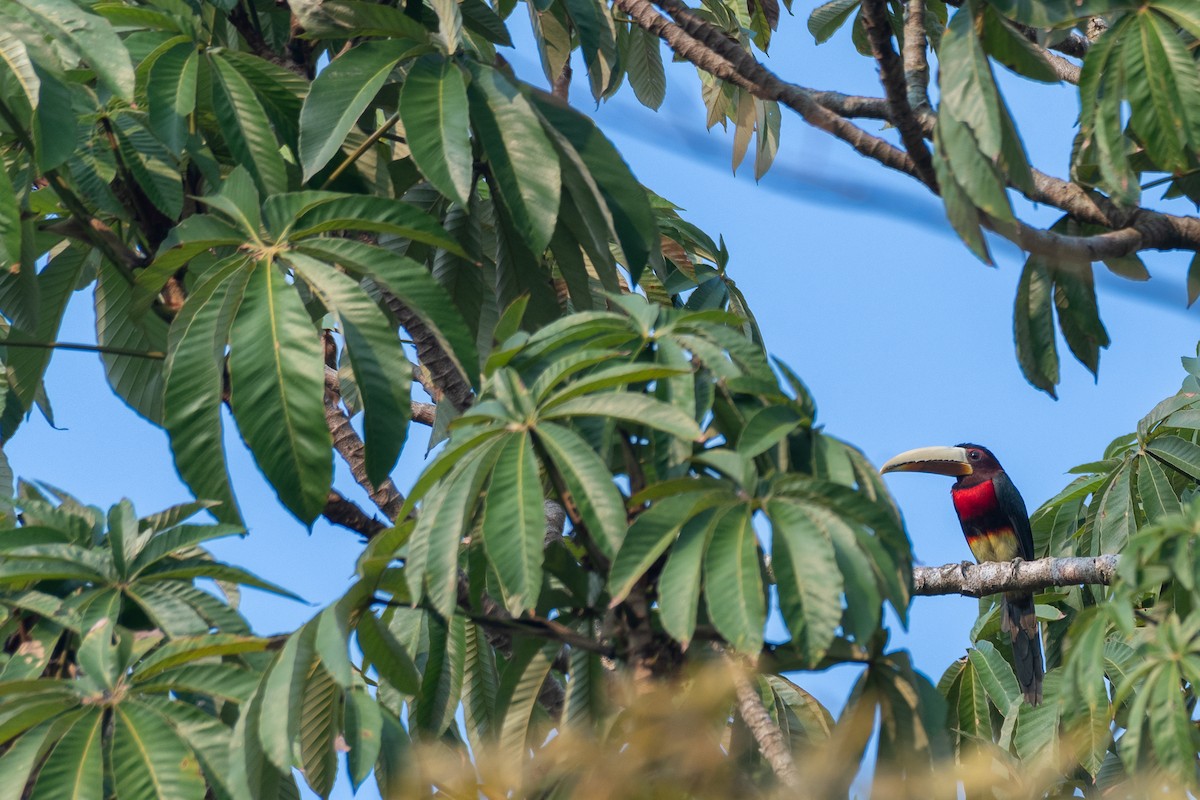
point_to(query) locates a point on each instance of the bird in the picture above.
(996, 525)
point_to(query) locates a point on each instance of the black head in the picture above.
(984, 465)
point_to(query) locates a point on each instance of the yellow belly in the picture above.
(998, 545)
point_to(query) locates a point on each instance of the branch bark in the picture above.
(916, 63)
(346, 514)
(892, 75)
(350, 447)
(770, 739)
(994, 577)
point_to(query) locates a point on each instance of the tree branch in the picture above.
(710, 50)
(892, 76)
(770, 739)
(350, 447)
(345, 513)
(444, 373)
(916, 63)
(994, 577)
(705, 46)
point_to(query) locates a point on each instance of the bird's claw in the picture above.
(964, 566)
(1016, 565)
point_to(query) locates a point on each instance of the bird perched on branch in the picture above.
(996, 525)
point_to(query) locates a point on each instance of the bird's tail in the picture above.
(1020, 621)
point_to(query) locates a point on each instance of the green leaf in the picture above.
(388, 655)
(56, 282)
(441, 683)
(1178, 453)
(514, 523)
(153, 762)
(171, 94)
(522, 161)
(1164, 90)
(1004, 42)
(642, 57)
(320, 724)
(593, 25)
(136, 380)
(627, 199)
(765, 428)
(637, 409)
(282, 691)
(150, 164)
(433, 108)
(364, 734)
(277, 372)
(522, 680)
(377, 214)
(807, 575)
(351, 18)
(339, 95)
(478, 17)
(91, 37)
(1158, 498)
(651, 534)
(1078, 315)
(194, 384)
(1115, 522)
(414, 286)
(447, 514)
(1193, 280)
(733, 582)
(246, 128)
(10, 222)
(1033, 324)
(996, 675)
(15, 57)
(381, 370)
(679, 583)
(825, 20)
(480, 686)
(589, 482)
(75, 768)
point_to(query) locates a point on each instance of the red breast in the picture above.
(974, 501)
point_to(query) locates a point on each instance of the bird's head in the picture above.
(970, 463)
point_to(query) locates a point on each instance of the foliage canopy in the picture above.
(264, 197)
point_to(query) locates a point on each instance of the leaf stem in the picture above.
(388, 124)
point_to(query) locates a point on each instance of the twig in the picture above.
(994, 577)
(86, 348)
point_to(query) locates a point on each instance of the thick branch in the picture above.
(347, 514)
(994, 577)
(770, 739)
(892, 76)
(446, 376)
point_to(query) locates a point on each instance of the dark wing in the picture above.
(1013, 507)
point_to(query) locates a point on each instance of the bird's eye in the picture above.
(975, 455)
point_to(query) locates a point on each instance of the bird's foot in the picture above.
(1016, 565)
(964, 566)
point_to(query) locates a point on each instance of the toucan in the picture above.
(996, 525)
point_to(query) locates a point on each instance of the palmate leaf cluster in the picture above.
(276, 208)
(119, 674)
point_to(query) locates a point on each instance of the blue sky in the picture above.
(859, 285)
